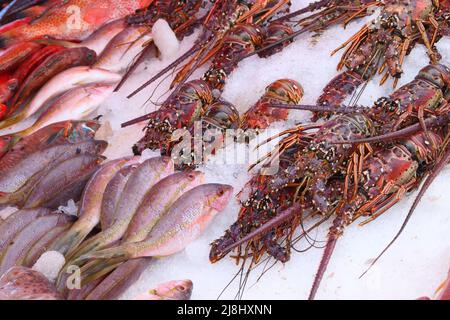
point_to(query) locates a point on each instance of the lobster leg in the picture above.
(403, 52)
(311, 7)
(436, 31)
(388, 203)
(438, 168)
(370, 205)
(357, 14)
(426, 41)
(272, 10)
(273, 155)
(354, 169)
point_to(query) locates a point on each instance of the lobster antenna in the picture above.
(134, 66)
(186, 55)
(438, 168)
(306, 233)
(197, 63)
(243, 284)
(229, 283)
(359, 92)
(333, 236)
(276, 43)
(264, 271)
(311, 7)
(399, 133)
(320, 108)
(273, 223)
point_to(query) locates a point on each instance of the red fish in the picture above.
(14, 24)
(48, 68)
(9, 85)
(72, 20)
(16, 54)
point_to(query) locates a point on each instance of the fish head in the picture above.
(7, 89)
(100, 146)
(195, 177)
(219, 196)
(174, 290)
(80, 130)
(90, 56)
(166, 163)
(91, 126)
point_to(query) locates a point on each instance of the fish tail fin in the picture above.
(89, 245)
(96, 269)
(12, 120)
(70, 240)
(97, 242)
(120, 252)
(4, 198)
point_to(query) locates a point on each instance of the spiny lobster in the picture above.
(382, 45)
(220, 19)
(364, 178)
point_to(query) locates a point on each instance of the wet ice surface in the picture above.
(413, 267)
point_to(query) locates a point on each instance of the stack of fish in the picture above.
(55, 76)
(144, 210)
(21, 283)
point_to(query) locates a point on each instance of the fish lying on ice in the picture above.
(15, 148)
(172, 290)
(16, 182)
(141, 181)
(72, 20)
(75, 104)
(62, 82)
(89, 209)
(183, 223)
(50, 67)
(124, 48)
